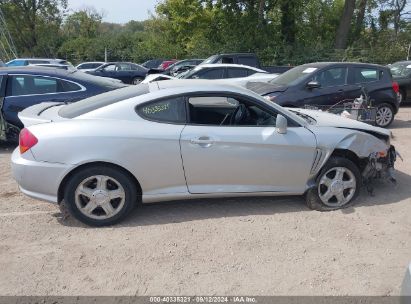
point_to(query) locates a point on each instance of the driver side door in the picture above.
(222, 155)
(333, 83)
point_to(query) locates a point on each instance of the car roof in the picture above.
(28, 58)
(86, 62)
(403, 62)
(35, 69)
(116, 62)
(235, 54)
(229, 65)
(197, 85)
(338, 63)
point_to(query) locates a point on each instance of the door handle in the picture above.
(203, 141)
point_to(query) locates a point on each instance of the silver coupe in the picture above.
(183, 139)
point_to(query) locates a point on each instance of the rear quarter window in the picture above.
(170, 110)
(365, 75)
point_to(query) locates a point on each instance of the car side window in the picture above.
(17, 63)
(364, 75)
(38, 62)
(332, 77)
(247, 60)
(227, 111)
(170, 110)
(110, 68)
(210, 74)
(31, 85)
(237, 72)
(68, 86)
(124, 67)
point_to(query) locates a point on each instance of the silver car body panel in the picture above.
(406, 287)
(169, 162)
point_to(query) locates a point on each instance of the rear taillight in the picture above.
(26, 140)
(395, 87)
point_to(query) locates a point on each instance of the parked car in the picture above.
(182, 66)
(127, 72)
(184, 139)
(249, 59)
(89, 66)
(22, 87)
(220, 71)
(406, 287)
(152, 64)
(28, 61)
(2, 63)
(165, 64)
(53, 66)
(329, 84)
(242, 81)
(401, 72)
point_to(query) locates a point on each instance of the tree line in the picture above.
(281, 32)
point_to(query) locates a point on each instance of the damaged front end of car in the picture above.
(380, 165)
(369, 148)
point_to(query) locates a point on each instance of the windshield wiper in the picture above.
(308, 118)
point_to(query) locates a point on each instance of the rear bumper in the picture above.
(39, 180)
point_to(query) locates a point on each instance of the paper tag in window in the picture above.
(309, 70)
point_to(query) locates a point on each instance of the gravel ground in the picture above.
(264, 246)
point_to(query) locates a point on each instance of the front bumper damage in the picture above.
(380, 166)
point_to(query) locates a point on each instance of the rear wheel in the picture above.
(338, 185)
(100, 195)
(384, 116)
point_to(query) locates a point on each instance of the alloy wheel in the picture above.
(100, 197)
(337, 187)
(384, 116)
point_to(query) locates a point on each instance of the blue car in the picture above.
(22, 87)
(127, 72)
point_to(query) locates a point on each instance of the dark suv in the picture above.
(326, 83)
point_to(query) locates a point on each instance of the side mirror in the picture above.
(281, 124)
(313, 84)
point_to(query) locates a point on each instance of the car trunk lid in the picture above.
(41, 113)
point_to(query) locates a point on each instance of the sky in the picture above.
(117, 11)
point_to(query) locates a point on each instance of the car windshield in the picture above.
(401, 69)
(188, 74)
(99, 101)
(294, 76)
(209, 59)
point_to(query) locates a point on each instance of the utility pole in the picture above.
(105, 54)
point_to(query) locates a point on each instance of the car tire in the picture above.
(384, 116)
(326, 195)
(136, 80)
(100, 195)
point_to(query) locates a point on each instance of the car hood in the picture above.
(263, 88)
(325, 119)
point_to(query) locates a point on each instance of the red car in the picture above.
(166, 64)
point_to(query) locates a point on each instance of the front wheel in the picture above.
(337, 186)
(384, 116)
(100, 196)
